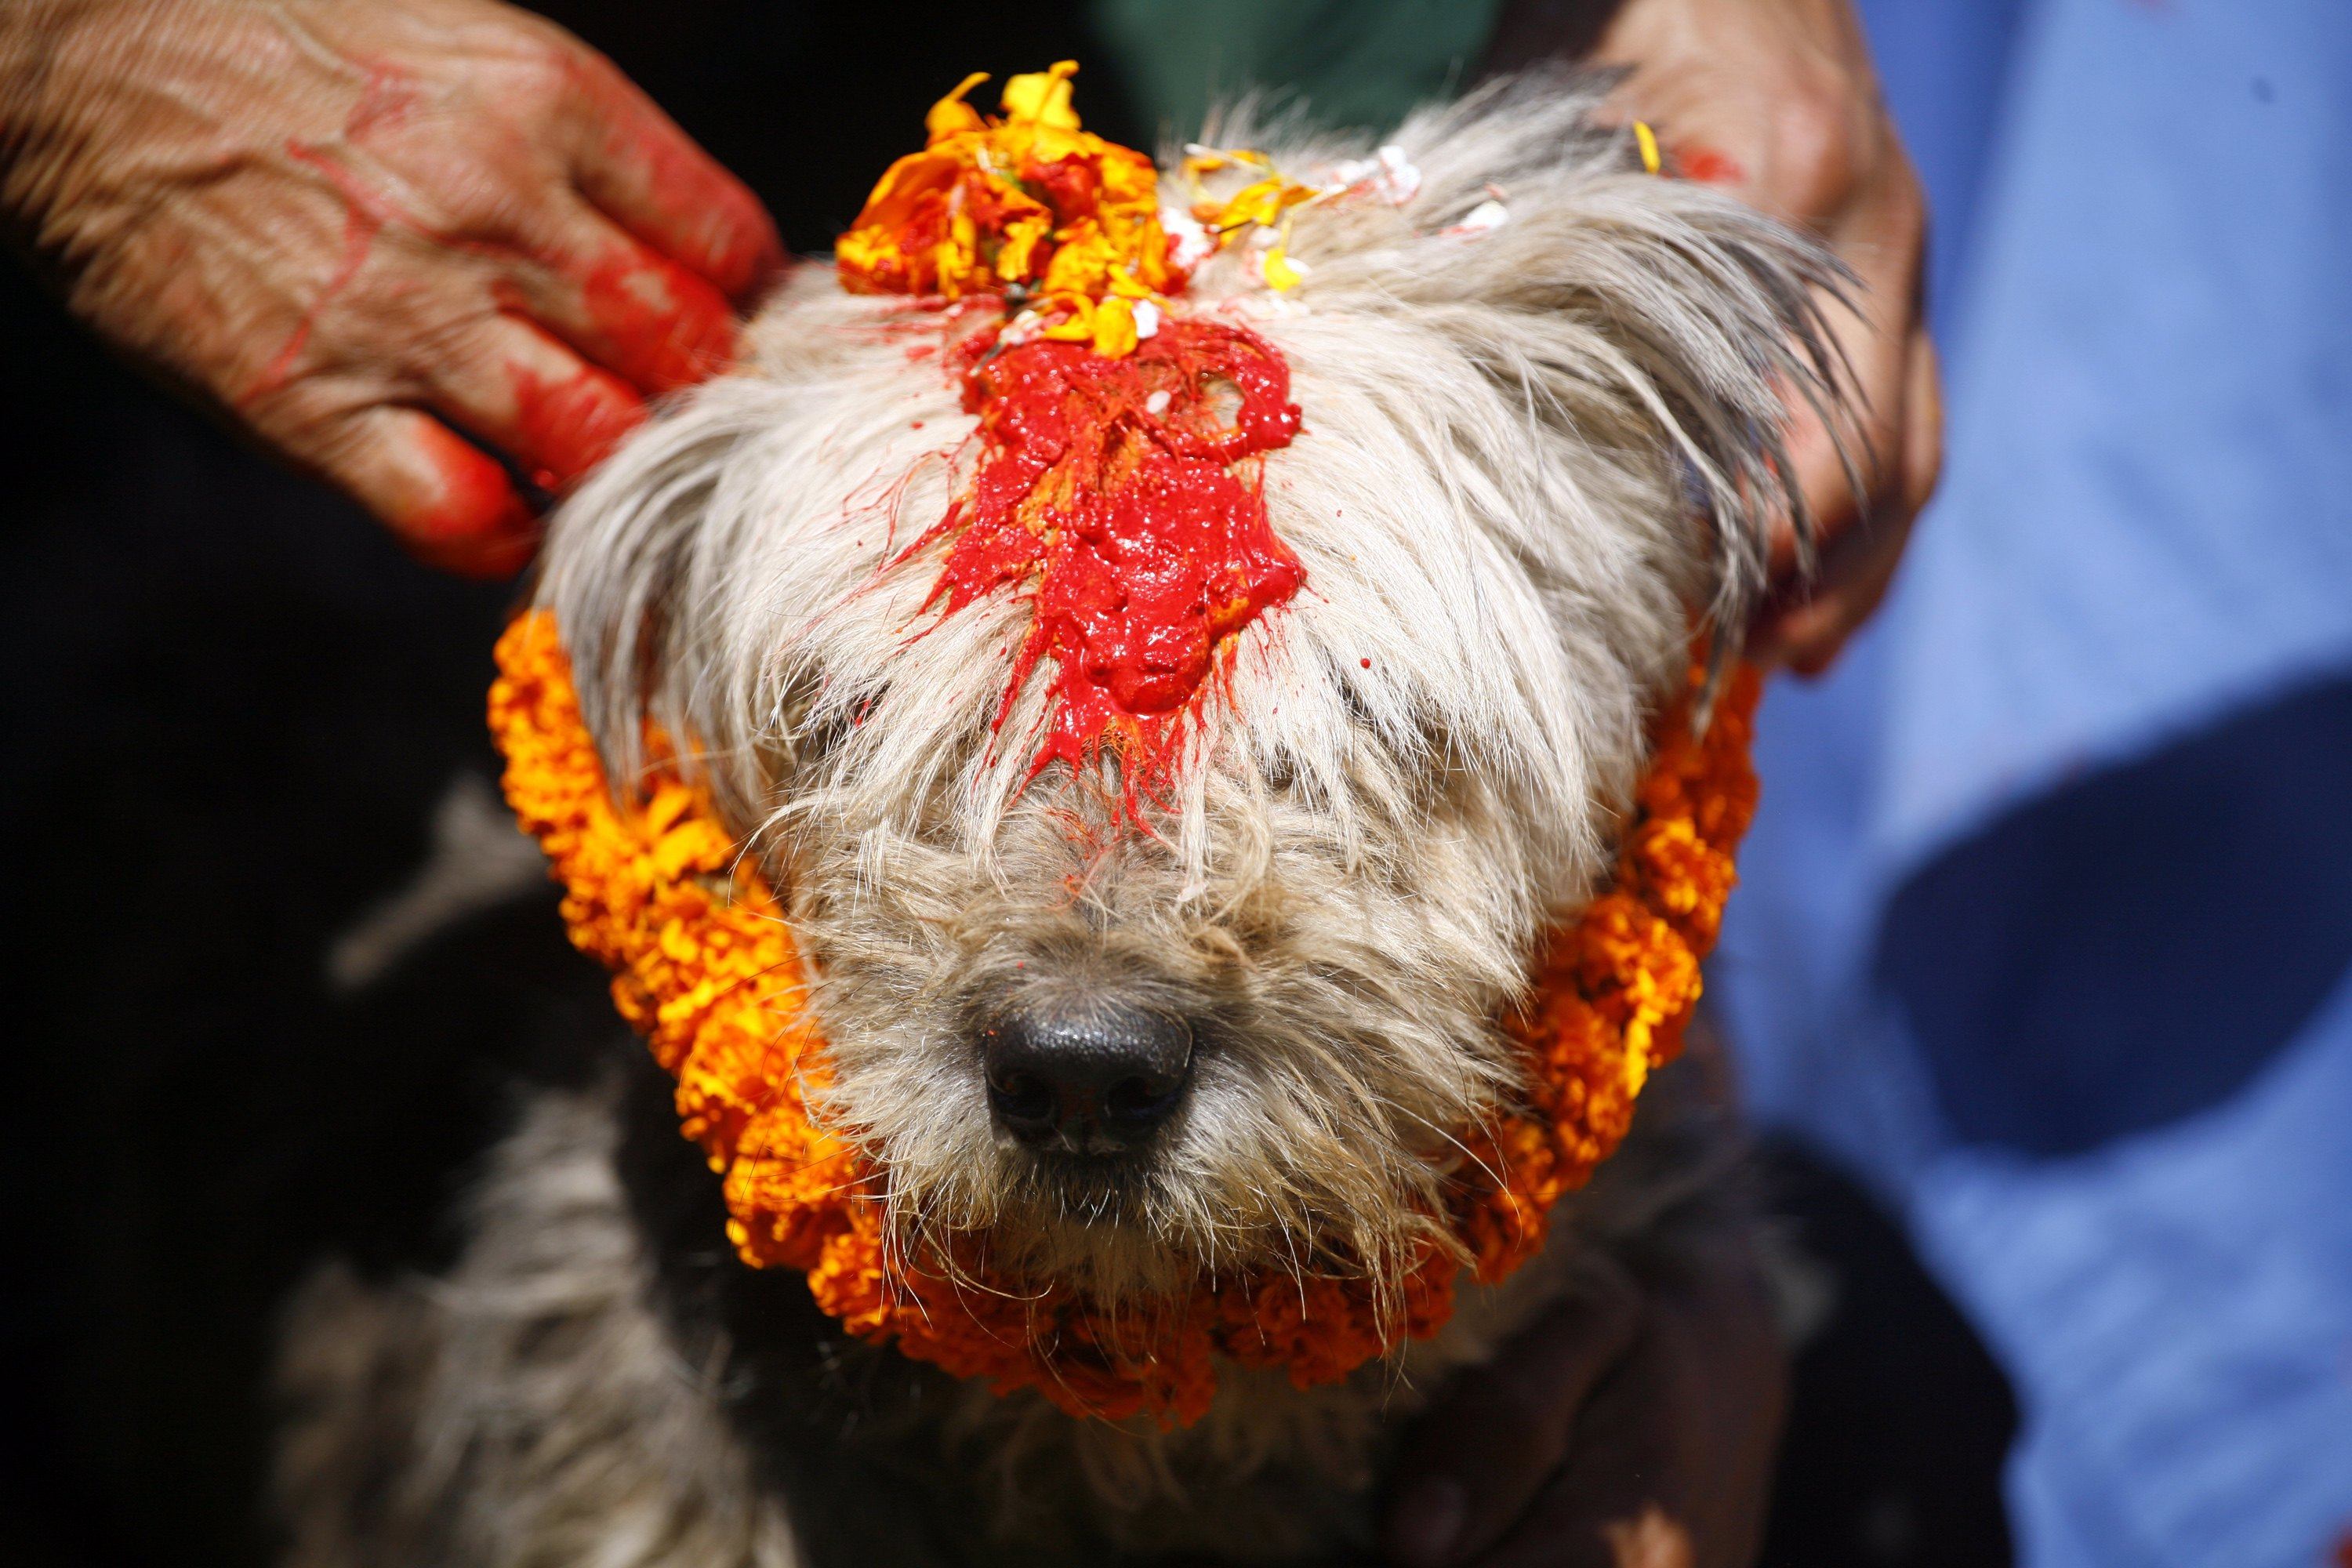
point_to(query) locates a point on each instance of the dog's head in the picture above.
(1128, 1037)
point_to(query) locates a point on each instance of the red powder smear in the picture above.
(666, 328)
(473, 522)
(1143, 549)
(660, 185)
(386, 99)
(566, 426)
(359, 230)
(1708, 166)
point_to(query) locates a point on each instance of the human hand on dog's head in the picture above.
(1634, 1425)
(1777, 102)
(385, 239)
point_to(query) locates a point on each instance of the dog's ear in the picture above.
(619, 552)
(699, 577)
(1664, 326)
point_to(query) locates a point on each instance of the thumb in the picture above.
(1474, 1462)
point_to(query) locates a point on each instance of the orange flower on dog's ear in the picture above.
(706, 967)
(1027, 201)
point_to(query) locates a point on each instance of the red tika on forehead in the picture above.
(1110, 490)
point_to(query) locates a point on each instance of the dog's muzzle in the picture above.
(1086, 1076)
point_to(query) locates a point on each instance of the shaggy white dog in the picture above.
(1536, 452)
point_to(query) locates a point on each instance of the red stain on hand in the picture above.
(671, 194)
(657, 321)
(360, 227)
(661, 326)
(1707, 165)
(566, 426)
(1108, 486)
(473, 522)
(385, 98)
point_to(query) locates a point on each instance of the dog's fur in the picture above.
(1530, 457)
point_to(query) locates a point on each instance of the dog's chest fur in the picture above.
(596, 1379)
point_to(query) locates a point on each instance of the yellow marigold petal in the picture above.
(1262, 202)
(1078, 325)
(1114, 328)
(951, 116)
(1042, 97)
(1016, 256)
(1647, 140)
(1281, 274)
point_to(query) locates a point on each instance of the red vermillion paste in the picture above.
(1112, 486)
(1708, 166)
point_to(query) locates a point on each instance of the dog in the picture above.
(1539, 392)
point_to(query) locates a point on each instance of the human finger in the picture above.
(1923, 446)
(522, 394)
(1473, 1463)
(1629, 1499)
(449, 502)
(623, 305)
(1571, 1527)
(1846, 455)
(635, 163)
(1806, 628)
(1843, 452)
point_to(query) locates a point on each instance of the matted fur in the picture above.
(1533, 458)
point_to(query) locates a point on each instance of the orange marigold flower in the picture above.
(1028, 201)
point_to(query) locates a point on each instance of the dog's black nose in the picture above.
(1090, 1077)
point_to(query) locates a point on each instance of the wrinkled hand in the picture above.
(1632, 1428)
(383, 238)
(1777, 100)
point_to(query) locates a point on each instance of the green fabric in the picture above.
(1358, 63)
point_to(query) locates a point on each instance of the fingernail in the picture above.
(1422, 1530)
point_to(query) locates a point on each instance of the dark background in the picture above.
(230, 705)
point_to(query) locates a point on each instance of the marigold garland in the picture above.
(705, 966)
(1065, 228)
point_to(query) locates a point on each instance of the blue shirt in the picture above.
(2046, 922)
